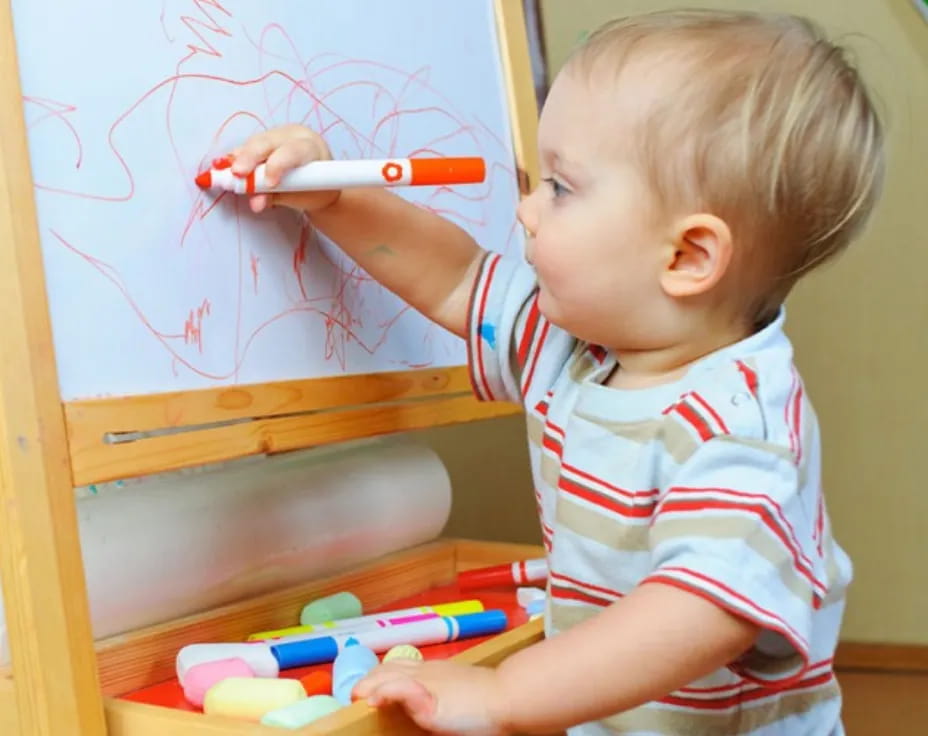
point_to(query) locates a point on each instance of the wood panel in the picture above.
(88, 420)
(520, 89)
(94, 460)
(56, 686)
(40, 562)
(853, 655)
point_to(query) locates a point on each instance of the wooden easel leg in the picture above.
(55, 675)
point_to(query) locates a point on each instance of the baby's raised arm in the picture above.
(426, 260)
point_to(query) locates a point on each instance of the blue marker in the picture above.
(417, 633)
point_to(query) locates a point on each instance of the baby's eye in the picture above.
(558, 189)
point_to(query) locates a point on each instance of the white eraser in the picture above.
(256, 655)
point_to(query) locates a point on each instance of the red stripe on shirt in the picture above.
(711, 411)
(598, 352)
(751, 609)
(574, 581)
(569, 594)
(550, 442)
(797, 427)
(793, 543)
(531, 324)
(743, 683)
(748, 696)
(759, 510)
(477, 340)
(587, 476)
(820, 524)
(616, 506)
(685, 411)
(750, 376)
(527, 379)
(786, 415)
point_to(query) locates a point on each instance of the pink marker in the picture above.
(369, 624)
(526, 572)
(321, 175)
(371, 621)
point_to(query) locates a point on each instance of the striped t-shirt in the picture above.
(710, 484)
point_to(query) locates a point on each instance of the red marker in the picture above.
(526, 572)
(393, 172)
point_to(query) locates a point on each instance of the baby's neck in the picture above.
(653, 367)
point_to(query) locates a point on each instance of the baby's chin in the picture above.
(560, 316)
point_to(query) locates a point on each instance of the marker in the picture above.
(419, 633)
(375, 620)
(387, 172)
(257, 656)
(525, 572)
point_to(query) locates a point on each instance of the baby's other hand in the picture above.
(282, 149)
(441, 696)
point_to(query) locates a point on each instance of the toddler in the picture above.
(695, 165)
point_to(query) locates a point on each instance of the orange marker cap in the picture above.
(465, 170)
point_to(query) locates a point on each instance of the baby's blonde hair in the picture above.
(765, 123)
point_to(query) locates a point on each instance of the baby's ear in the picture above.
(700, 255)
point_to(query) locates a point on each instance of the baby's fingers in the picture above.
(253, 152)
(383, 673)
(406, 692)
(282, 148)
(288, 156)
(259, 202)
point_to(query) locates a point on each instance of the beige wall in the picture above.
(861, 326)
(490, 478)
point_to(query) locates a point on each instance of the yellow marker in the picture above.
(374, 621)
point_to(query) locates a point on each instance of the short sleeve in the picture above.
(733, 528)
(513, 352)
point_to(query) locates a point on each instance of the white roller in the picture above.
(165, 548)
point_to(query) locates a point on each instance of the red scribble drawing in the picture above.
(255, 281)
(193, 327)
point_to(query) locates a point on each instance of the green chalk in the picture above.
(331, 608)
(296, 715)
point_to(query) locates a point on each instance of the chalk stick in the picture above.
(201, 677)
(331, 608)
(258, 656)
(318, 682)
(403, 651)
(251, 698)
(302, 712)
(351, 664)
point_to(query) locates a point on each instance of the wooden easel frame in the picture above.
(47, 447)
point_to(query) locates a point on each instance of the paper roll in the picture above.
(170, 547)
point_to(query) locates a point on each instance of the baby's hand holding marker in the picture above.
(293, 159)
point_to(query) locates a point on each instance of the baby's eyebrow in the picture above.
(554, 159)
